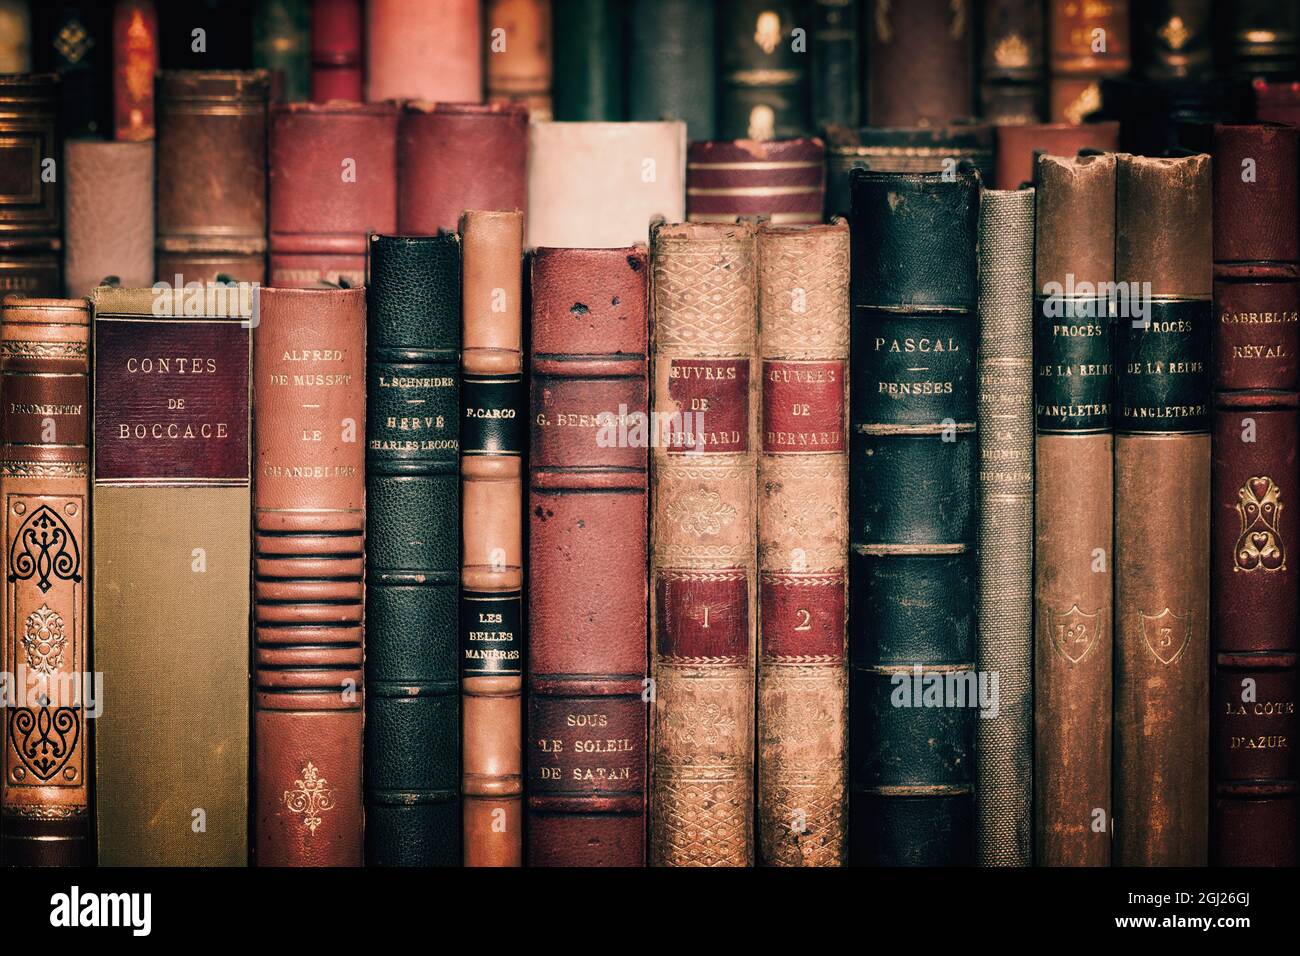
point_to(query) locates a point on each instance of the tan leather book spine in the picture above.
(703, 580)
(803, 543)
(1162, 513)
(309, 386)
(518, 42)
(1073, 489)
(45, 490)
(492, 576)
(109, 211)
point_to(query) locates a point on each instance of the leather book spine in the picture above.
(309, 384)
(1017, 146)
(519, 55)
(803, 542)
(920, 62)
(588, 523)
(671, 64)
(1175, 39)
(135, 62)
(332, 183)
(783, 181)
(578, 195)
(1260, 38)
(171, 541)
(211, 180)
(589, 60)
(74, 38)
(281, 46)
(1004, 739)
(413, 552)
(763, 76)
(15, 36)
(1254, 598)
(913, 465)
(456, 156)
(1276, 102)
(1162, 512)
(492, 442)
(836, 63)
(1073, 488)
(417, 50)
(45, 648)
(336, 62)
(703, 573)
(31, 204)
(921, 149)
(1087, 41)
(1013, 67)
(109, 213)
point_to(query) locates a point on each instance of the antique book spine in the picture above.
(333, 182)
(337, 70)
(1004, 741)
(836, 63)
(413, 552)
(912, 517)
(921, 149)
(309, 383)
(74, 39)
(1017, 146)
(1254, 599)
(171, 542)
(589, 62)
(519, 55)
(1162, 512)
(763, 76)
(15, 36)
(920, 62)
(1087, 41)
(211, 214)
(281, 46)
(578, 188)
(492, 441)
(109, 213)
(1013, 67)
(671, 62)
(135, 61)
(1175, 39)
(1259, 38)
(45, 492)
(703, 574)
(783, 181)
(803, 543)
(588, 483)
(1073, 488)
(453, 156)
(417, 50)
(1276, 102)
(31, 205)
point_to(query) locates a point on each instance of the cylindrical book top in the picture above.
(218, 86)
(1163, 227)
(1076, 221)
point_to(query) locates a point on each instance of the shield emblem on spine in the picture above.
(1074, 632)
(1166, 634)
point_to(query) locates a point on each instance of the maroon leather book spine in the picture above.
(920, 62)
(587, 664)
(784, 180)
(336, 65)
(457, 156)
(1277, 102)
(333, 181)
(1255, 602)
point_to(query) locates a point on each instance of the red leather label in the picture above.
(803, 617)
(702, 615)
(712, 398)
(171, 399)
(591, 745)
(1257, 335)
(1255, 724)
(803, 407)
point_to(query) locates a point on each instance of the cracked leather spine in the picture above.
(44, 488)
(412, 551)
(492, 445)
(588, 524)
(308, 561)
(912, 516)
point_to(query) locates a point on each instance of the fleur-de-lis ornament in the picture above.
(310, 797)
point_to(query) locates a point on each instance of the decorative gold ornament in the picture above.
(310, 797)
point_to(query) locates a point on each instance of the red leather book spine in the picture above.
(1255, 604)
(309, 386)
(336, 68)
(783, 180)
(587, 719)
(135, 61)
(333, 181)
(457, 156)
